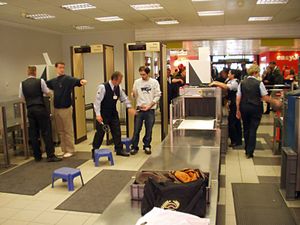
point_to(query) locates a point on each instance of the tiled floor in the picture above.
(39, 209)
(238, 169)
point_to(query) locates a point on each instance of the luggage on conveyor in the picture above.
(184, 191)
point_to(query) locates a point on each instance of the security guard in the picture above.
(32, 90)
(249, 105)
(106, 112)
(234, 124)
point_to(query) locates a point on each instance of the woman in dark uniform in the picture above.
(250, 94)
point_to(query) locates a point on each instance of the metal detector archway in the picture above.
(77, 63)
(161, 49)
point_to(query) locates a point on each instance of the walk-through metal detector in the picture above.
(149, 47)
(77, 63)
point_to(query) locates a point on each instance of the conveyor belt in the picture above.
(183, 149)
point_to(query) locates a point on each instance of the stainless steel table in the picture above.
(183, 149)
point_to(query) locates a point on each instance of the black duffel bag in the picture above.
(186, 197)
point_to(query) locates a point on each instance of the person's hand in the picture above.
(132, 111)
(211, 84)
(83, 82)
(99, 119)
(238, 114)
(181, 81)
(276, 105)
(145, 107)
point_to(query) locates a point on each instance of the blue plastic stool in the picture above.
(127, 142)
(67, 174)
(103, 153)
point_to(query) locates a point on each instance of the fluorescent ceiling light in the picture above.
(83, 27)
(3, 3)
(109, 18)
(260, 18)
(147, 6)
(211, 13)
(39, 16)
(166, 22)
(271, 2)
(78, 6)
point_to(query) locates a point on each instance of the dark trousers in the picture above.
(251, 116)
(234, 126)
(40, 124)
(268, 104)
(149, 118)
(114, 124)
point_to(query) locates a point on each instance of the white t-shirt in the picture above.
(146, 92)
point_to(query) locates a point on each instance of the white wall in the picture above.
(20, 47)
(251, 31)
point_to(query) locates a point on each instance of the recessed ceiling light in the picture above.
(260, 18)
(109, 18)
(83, 27)
(39, 16)
(271, 2)
(78, 6)
(166, 22)
(211, 13)
(147, 6)
(3, 3)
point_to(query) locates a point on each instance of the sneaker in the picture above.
(147, 150)
(68, 155)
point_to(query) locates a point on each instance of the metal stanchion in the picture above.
(3, 129)
(24, 129)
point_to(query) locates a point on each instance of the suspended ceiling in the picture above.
(236, 12)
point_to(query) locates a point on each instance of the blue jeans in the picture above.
(149, 118)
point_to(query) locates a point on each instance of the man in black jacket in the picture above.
(32, 90)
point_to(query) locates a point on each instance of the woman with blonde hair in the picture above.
(249, 105)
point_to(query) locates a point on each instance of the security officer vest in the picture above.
(251, 92)
(109, 102)
(32, 92)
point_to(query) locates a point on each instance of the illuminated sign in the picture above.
(287, 57)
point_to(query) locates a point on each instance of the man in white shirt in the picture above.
(146, 91)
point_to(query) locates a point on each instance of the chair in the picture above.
(67, 174)
(127, 142)
(103, 153)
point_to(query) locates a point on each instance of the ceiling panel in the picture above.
(185, 11)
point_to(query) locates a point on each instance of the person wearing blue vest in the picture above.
(105, 107)
(250, 94)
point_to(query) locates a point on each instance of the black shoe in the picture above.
(54, 159)
(267, 112)
(134, 151)
(123, 153)
(38, 159)
(232, 145)
(147, 150)
(249, 156)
